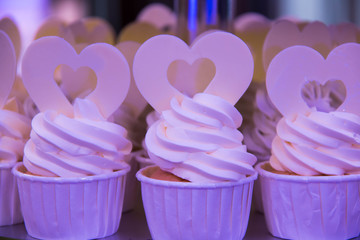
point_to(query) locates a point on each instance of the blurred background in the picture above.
(30, 14)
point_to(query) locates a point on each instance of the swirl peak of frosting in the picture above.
(86, 144)
(197, 139)
(319, 143)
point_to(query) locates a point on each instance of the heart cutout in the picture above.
(44, 55)
(230, 55)
(284, 34)
(297, 65)
(324, 97)
(7, 67)
(76, 83)
(186, 77)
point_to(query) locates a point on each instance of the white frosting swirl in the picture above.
(197, 139)
(259, 135)
(84, 145)
(318, 144)
(14, 129)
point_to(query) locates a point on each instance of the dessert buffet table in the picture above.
(133, 226)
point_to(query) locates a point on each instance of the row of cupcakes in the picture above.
(186, 105)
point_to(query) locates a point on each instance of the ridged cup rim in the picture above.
(5, 165)
(19, 174)
(305, 179)
(144, 179)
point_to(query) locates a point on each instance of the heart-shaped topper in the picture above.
(302, 64)
(253, 28)
(284, 34)
(7, 67)
(344, 32)
(134, 99)
(159, 15)
(55, 27)
(249, 21)
(92, 30)
(138, 32)
(44, 55)
(231, 57)
(8, 25)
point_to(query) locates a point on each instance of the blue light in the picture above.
(192, 21)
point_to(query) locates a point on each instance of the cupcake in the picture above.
(15, 130)
(259, 133)
(200, 186)
(310, 185)
(72, 181)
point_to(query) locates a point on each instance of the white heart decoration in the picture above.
(92, 30)
(134, 97)
(344, 32)
(284, 34)
(159, 15)
(55, 27)
(8, 25)
(45, 54)
(230, 55)
(7, 67)
(294, 66)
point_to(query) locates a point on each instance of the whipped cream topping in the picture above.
(14, 129)
(318, 144)
(197, 139)
(86, 144)
(259, 135)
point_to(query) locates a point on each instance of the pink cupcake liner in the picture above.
(311, 207)
(10, 209)
(178, 210)
(71, 208)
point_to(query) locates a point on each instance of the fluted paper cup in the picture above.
(10, 209)
(310, 207)
(71, 208)
(132, 189)
(181, 210)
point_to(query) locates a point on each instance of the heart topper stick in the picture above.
(7, 67)
(284, 34)
(44, 55)
(159, 15)
(302, 64)
(231, 57)
(134, 97)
